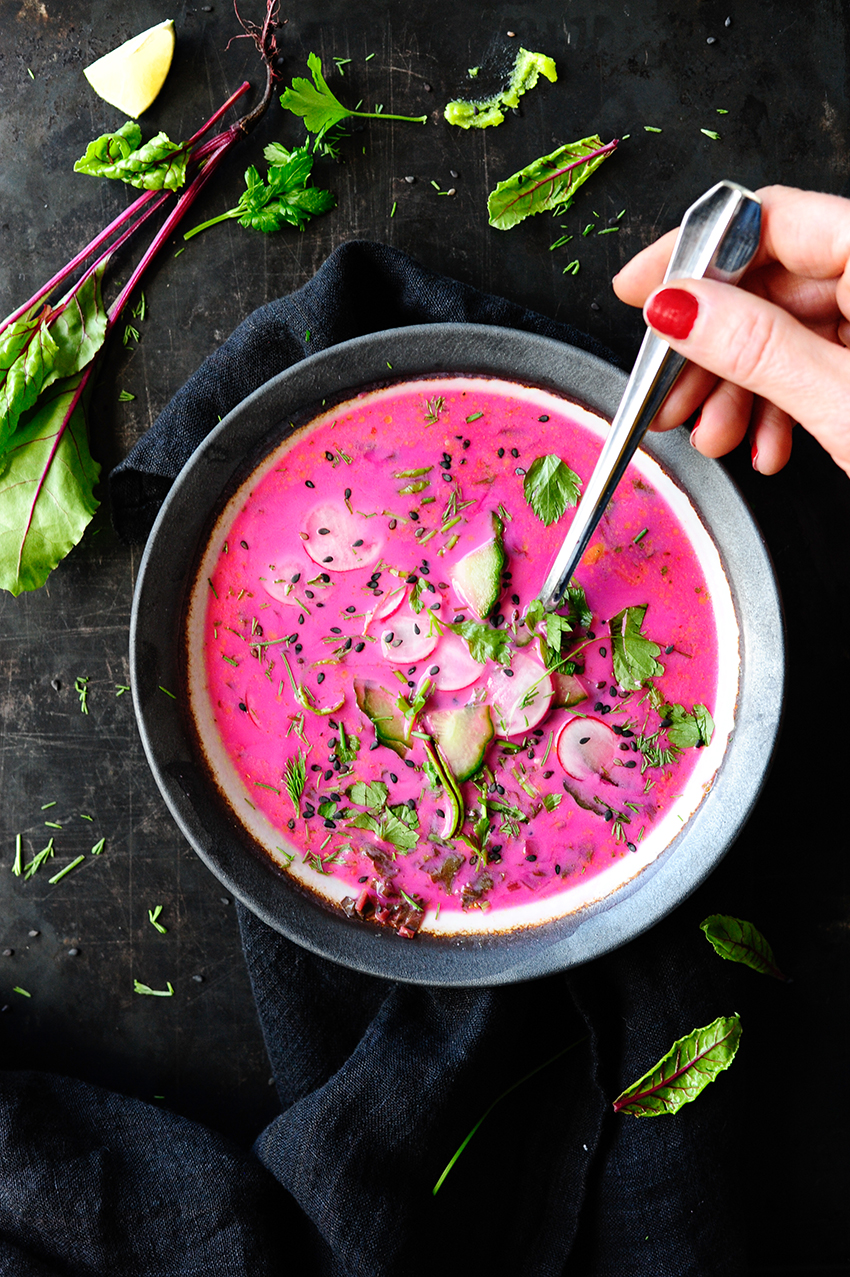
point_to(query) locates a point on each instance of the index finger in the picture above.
(806, 231)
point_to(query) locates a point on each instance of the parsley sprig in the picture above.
(285, 199)
(320, 109)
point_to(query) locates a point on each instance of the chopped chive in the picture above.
(99, 845)
(640, 536)
(16, 867)
(590, 226)
(621, 214)
(572, 268)
(66, 870)
(171, 694)
(30, 74)
(369, 57)
(125, 397)
(180, 250)
(648, 128)
(44, 806)
(436, 185)
(609, 230)
(565, 239)
(474, 417)
(23, 992)
(81, 688)
(720, 111)
(307, 335)
(711, 133)
(153, 915)
(168, 992)
(83, 816)
(51, 824)
(394, 207)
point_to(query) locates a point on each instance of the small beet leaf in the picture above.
(685, 1071)
(546, 183)
(740, 941)
(159, 164)
(635, 656)
(550, 488)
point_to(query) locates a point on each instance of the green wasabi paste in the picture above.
(528, 68)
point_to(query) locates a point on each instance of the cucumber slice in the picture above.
(477, 577)
(339, 541)
(522, 698)
(379, 705)
(452, 797)
(569, 690)
(463, 736)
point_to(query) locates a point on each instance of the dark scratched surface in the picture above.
(780, 73)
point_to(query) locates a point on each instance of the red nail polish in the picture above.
(693, 434)
(754, 453)
(672, 312)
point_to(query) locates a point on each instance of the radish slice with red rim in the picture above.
(289, 579)
(587, 747)
(340, 541)
(386, 606)
(406, 640)
(520, 695)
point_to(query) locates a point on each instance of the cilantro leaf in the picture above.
(634, 654)
(372, 795)
(688, 730)
(405, 814)
(348, 747)
(393, 831)
(158, 165)
(318, 107)
(550, 488)
(285, 199)
(484, 642)
(546, 182)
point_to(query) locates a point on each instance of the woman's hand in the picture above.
(771, 351)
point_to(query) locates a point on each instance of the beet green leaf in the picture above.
(46, 487)
(546, 183)
(685, 1071)
(635, 656)
(159, 164)
(740, 941)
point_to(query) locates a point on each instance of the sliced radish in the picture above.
(406, 640)
(340, 541)
(281, 585)
(455, 667)
(587, 747)
(386, 606)
(521, 698)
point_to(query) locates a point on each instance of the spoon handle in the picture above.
(717, 239)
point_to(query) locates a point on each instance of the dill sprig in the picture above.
(295, 778)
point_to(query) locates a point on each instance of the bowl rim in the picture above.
(344, 370)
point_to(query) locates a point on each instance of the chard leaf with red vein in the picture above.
(159, 164)
(547, 182)
(740, 941)
(685, 1071)
(46, 487)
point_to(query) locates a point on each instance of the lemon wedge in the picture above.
(131, 76)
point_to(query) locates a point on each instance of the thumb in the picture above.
(749, 341)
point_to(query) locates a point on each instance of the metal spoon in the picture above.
(718, 239)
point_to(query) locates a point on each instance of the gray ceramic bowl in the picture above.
(155, 647)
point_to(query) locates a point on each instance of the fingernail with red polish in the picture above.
(693, 434)
(754, 453)
(672, 312)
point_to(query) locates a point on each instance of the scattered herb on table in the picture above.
(125, 397)
(23, 992)
(740, 941)
(17, 865)
(487, 112)
(284, 199)
(167, 992)
(153, 918)
(38, 860)
(81, 688)
(318, 107)
(546, 183)
(62, 872)
(685, 1071)
(99, 845)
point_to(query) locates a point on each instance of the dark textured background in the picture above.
(780, 71)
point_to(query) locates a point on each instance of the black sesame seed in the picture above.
(507, 672)
(394, 778)
(530, 856)
(351, 608)
(299, 647)
(412, 670)
(435, 669)
(310, 594)
(466, 443)
(328, 775)
(408, 762)
(411, 579)
(597, 707)
(414, 514)
(346, 647)
(374, 744)
(309, 483)
(606, 709)
(416, 629)
(447, 478)
(625, 747)
(500, 453)
(320, 678)
(603, 651)
(441, 813)
(348, 494)
(584, 740)
(324, 577)
(514, 452)
(392, 525)
(388, 636)
(329, 456)
(456, 620)
(243, 707)
(631, 846)
(301, 618)
(548, 775)
(335, 629)
(357, 544)
(323, 532)
(314, 767)
(330, 824)
(500, 789)
(244, 545)
(558, 869)
(295, 579)
(543, 418)
(631, 763)
(397, 642)
(514, 598)
(329, 559)
(668, 649)
(609, 815)
(358, 647)
(425, 570)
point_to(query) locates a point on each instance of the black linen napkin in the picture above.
(379, 1082)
